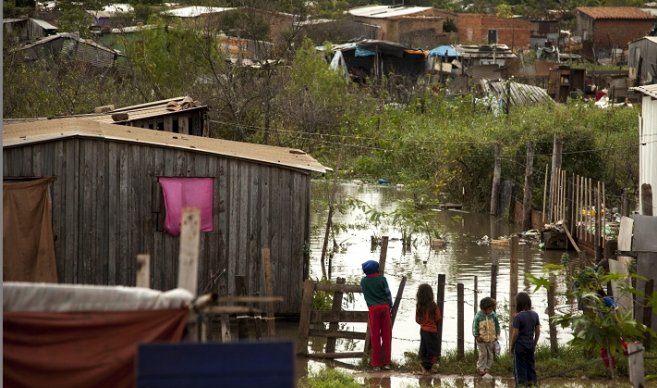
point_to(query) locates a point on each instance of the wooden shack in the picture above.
(178, 114)
(107, 204)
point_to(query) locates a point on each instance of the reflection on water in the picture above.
(462, 261)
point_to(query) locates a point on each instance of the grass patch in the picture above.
(328, 378)
(568, 362)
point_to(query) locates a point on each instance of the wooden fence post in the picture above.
(304, 316)
(513, 279)
(646, 199)
(528, 188)
(460, 338)
(144, 271)
(554, 346)
(189, 242)
(635, 365)
(334, 326)
(440, 301)
(493, 279)
(475, 305)
(240, 290)
(383, 254)
(647, 310)
(497, 173)
(270, 320)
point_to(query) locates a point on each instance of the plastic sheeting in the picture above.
(45, 297)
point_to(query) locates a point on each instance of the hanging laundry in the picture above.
(182, 192)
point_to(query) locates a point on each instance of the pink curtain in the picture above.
(182, 192)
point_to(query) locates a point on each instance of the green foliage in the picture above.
(323, 300)
(598, 325)
(329, 378)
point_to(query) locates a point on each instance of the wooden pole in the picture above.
(189, 241)
(143, 271)
(647, 311)
(557, 144)
(270, 320)
(554, 347)
(545, 183)
(635, 365)
(224, 318)
(476, 297)
(497, 174)
(440, 301)
(646, 199)
(528, 188)
(334, 326)
(383, 254)
(598, 225)
(304, 316)
(240, 290)
(398, 298)
(460, 338)
(493, 279)
(513, 279)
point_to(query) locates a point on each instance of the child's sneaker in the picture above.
(376, 369)
(386, 367)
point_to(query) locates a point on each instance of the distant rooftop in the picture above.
(194, 11)
(385, 11)
(615, 13)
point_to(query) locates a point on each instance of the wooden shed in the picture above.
(107, 203)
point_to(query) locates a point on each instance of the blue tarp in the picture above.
(445, 50)
(361, 52)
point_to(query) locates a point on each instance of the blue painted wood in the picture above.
(238, 364)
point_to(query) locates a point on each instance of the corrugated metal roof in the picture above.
(521, 94)
(385, 11)
(71, 36)
(48, 130)
(648, 90)
(43, 24)
(194, 11)
(615, 13)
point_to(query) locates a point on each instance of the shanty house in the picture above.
(420, 27)
(22, 30)
(180, 115)
(115, 191)
(604, 29)
(198, 16)
(477, 28)
(642, 61)
(69, 46)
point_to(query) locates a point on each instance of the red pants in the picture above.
(381, 333)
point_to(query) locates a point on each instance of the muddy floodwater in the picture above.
(465, 259)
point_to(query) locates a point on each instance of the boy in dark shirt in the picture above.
(379, 303)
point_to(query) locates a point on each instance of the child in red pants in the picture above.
(379, 303)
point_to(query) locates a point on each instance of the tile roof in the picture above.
(615, 13)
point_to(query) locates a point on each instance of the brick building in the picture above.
(417, 27)
(606, 28)
(479, 28)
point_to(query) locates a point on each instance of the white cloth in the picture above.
(48, 297)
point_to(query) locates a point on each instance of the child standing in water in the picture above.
(379, 303)
(486, 330)
(428, 315)
(524, 337)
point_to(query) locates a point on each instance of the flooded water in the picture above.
(461, 261)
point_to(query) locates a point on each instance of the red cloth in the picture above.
(184, 192)
(381, 333)
(84, 349)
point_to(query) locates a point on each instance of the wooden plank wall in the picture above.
(106, 204)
